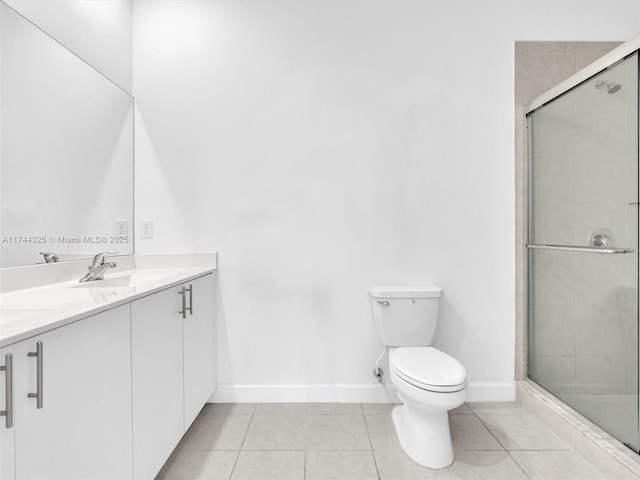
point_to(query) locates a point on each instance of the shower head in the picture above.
(612, 87)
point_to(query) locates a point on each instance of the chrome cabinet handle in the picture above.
(183, 312)
(39, 374)
(8, 390)
(190, 307)
(383, 303)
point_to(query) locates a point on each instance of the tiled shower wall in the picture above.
(538, 67)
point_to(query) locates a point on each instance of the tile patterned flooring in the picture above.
(324, 441)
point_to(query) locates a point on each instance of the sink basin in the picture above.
(128, 280)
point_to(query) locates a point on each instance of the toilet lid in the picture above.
(428, 368)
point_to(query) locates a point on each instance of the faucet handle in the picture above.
(50, 257)
(100, 257)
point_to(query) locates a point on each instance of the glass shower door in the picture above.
(582, 253)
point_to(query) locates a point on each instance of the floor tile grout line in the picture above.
(499, 443)
(244, 437)
(516, 462)
(264, 450)
(571, 451)
(304, 468)
(460, 450)
(453, 474)
(491, 433)
(541, 450)
(373, 454)
(306, 441)
(569, 447)
(252, 414)
(235, 462)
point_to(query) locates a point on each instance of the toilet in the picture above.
(429, 382)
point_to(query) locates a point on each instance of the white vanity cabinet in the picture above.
(156, 341)
(173, 367)
(72, 400)
(107, 393)
(198, 337)
(7, 437)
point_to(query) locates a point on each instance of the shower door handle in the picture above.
(579, 248)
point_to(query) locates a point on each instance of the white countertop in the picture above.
(31, 311)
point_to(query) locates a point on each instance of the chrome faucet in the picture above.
(98, 267)
(50, 257)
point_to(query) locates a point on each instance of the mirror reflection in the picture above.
(66, 152)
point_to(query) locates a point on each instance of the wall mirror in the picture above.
(66, 152)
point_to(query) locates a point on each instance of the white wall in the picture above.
(322, 147)
(99, 32)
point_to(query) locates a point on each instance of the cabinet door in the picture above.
(7, 466)
(83, 430)
(199, 351)
(156, 345)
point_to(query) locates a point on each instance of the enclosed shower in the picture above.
(582, 250)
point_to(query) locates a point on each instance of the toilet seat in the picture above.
(429, 369)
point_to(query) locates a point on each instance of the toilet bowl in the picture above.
(429, 382)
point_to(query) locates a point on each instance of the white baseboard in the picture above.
(304, 393)
(386, 393)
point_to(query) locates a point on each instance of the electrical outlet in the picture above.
(122, 226)
(146, 228)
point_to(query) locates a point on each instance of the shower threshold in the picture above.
(596, 446)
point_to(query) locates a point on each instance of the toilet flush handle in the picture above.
(383, 302)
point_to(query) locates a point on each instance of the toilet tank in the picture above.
(405, 316)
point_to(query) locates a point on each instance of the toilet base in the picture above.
(424, 435)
